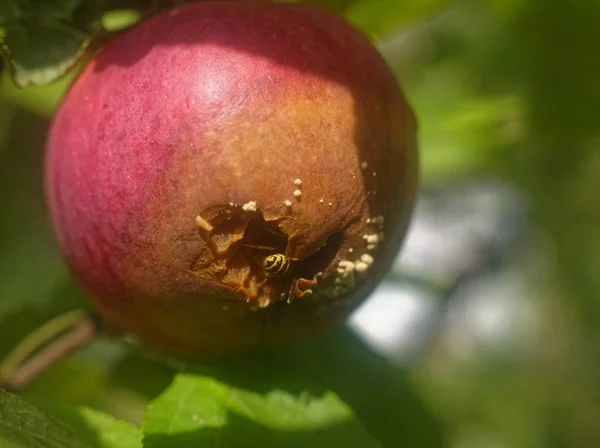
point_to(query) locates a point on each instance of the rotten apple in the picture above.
(232, 174)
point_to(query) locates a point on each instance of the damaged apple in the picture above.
(228, 175)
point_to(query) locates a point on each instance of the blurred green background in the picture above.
(507, 92)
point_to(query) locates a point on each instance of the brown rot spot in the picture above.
(249, 254)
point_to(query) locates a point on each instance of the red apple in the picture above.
(214, 139)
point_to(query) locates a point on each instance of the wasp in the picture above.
(277, 265)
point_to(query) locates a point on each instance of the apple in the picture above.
(228, 175)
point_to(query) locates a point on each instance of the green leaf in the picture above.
(42, 53)
(201, 411)
(101, 430)
(25, 425)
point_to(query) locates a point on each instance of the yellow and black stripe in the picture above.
(277, 265)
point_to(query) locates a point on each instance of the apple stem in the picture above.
(36, 353)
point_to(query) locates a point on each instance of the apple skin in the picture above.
(190, 129)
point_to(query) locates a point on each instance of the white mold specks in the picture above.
(374, 238)
(287, 203)
(297, 191)
(366, 258)
(364, 165)
(364, 264)
(346, 264)
(349, 271)
(361, 267)
(249, 206)
(345, 278)
(377, 220)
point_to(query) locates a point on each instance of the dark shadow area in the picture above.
(21, 162)
(239, 432)
(23, 216)
(84, 432)
(141, 375)
(16, 325)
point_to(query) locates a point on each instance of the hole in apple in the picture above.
(236, 249)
